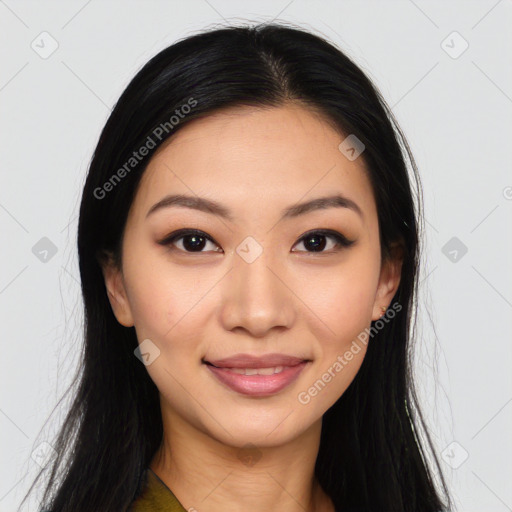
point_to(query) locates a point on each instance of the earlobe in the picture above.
(389, 281)
(116, 292)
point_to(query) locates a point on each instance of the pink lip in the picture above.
(250, 361)
(257, 385)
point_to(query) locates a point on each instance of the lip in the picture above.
(250, 361)
(257, 385)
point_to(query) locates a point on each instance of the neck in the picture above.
(208, 475)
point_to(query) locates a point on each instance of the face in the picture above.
(281, 290)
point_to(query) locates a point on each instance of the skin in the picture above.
(214, 304)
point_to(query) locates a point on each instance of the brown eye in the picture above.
(317, 241)
(190, 240)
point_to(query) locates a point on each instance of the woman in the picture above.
(248, 248)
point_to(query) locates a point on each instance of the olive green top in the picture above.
(155, 496)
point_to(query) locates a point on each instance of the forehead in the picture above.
(249, 158)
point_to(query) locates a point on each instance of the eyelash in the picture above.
(341, 241)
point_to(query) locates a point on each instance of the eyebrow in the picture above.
(215, 208)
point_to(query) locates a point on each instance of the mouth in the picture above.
(257, 376)
(253, 371)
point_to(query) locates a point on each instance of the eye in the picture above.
(317, 240)
(191, 240)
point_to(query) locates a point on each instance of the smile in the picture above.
(257, 382)
(257, 371)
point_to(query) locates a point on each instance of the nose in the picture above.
(256, 296)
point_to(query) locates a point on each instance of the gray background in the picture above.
(454, 106)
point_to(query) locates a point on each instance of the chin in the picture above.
(280, 430)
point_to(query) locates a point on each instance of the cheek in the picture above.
(343, 298)
(152, 293)
(167, 303)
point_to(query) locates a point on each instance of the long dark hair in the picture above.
(371, 456)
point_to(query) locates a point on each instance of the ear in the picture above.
(116, 292)
(389, 279)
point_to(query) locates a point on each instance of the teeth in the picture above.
(257, 371)
(237, 370)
